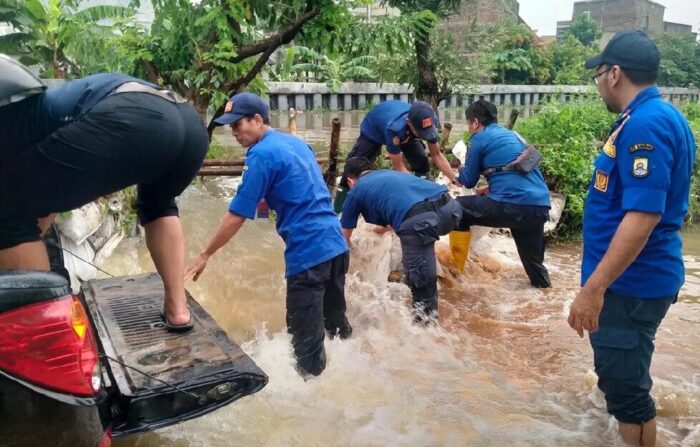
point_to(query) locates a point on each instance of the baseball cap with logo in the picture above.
(632, 50)
(240, 105)
(423, 119)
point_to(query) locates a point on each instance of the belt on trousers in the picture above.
(137, 87)
(428, 205)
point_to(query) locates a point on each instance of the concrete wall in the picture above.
(353, 96)
(680, 28)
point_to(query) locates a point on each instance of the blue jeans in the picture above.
(622, 351)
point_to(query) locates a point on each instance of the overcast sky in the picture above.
(542, 15)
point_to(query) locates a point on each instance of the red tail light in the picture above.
(106, 440)
(51, 344)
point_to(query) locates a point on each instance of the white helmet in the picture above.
(16, 81)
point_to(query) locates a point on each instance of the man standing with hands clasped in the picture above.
(632, 266)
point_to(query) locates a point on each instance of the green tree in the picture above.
(59, 35)
(680, 60)
(585, 30)
(209, 50)
(567, 61)
(455, 71)
(427, 86)
(519, 58)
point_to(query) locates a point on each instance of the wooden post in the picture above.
(292, 124)
(332, 171)
(446, 129)
(513, 118)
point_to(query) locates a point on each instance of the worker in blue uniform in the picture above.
(400, 127)
(282, 170)
(511, 199)
(67, 146)
(418, 210)
(632, 267)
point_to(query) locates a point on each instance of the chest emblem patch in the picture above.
(640, 167)
(601, 181)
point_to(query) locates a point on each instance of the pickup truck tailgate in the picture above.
(209, 368)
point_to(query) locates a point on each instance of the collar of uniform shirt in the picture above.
(641, 98)
(267, 132)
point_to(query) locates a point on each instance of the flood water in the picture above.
(502, 368)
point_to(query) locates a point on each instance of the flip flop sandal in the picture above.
(177, 327)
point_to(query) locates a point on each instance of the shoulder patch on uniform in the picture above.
(396, 141)
(601, 181)
(610, 149)
(640, 167)
(641, 147)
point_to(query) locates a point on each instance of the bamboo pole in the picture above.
(232, 167)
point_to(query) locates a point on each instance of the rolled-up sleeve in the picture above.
(389, 136)
(470, 173)
(255, 183)
(351, 212)
(645, 161)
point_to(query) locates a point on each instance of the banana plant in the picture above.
(331, 69)
(60, 36)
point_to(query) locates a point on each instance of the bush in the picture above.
(569, 136)
(692, 114)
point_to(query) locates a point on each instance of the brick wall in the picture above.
(617, 15)
(484, 12)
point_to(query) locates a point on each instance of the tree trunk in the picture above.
(427, 89)
(200, 104)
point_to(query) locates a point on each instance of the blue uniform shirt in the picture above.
(282, 169)
(496, 146)
(31, 120)
(383, 197)
(386, 124)
(646, 166)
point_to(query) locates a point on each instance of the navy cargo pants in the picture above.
(316, 300)
(418, 234)
(526, 223)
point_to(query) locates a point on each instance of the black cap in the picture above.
(632, 50)
(240, 105)
(423, 119)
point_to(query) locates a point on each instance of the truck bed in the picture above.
(209, 368)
